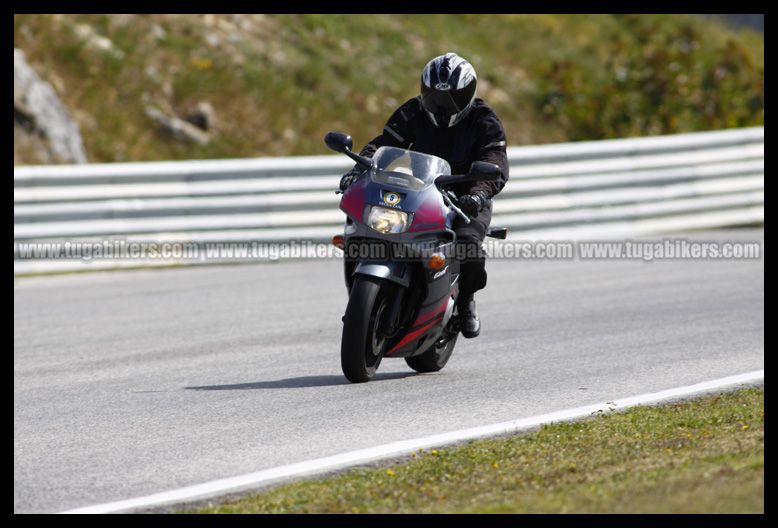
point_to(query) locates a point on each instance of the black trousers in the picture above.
(470, 252)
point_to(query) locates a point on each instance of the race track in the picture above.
(132, 383)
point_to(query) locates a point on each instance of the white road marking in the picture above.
(363, 456)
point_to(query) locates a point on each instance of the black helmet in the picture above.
(447, 89)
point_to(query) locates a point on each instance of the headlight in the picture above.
(386, 220)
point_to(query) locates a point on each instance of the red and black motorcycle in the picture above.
(400, 262)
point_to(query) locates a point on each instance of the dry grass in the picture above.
(279, 82)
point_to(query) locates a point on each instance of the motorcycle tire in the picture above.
(433, 359)
(362, 347)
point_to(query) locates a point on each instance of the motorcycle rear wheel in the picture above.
(362, 344)
(433, 359)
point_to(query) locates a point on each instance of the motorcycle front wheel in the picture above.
(363, 345)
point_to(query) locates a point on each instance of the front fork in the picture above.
(390, 324)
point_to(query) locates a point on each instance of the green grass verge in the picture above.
(701, 456)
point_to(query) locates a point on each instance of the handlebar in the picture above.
(462, 215)
(449, 198)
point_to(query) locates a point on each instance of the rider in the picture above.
(447, 120)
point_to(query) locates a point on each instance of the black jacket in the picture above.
(478, 137)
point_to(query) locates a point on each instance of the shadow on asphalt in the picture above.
(302, 382)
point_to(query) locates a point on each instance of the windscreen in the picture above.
(407, 169)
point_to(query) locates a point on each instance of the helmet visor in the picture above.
(444, 104)
(438, 102)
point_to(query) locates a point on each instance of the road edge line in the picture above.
(406, 447)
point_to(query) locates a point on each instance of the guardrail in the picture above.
(592, 189)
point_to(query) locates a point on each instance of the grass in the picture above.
(279, 82)
(700, 456)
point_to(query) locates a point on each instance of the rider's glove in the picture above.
(349, 178)
(472, 204)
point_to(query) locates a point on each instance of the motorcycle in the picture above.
(400, 264)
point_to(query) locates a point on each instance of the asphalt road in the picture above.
(132, 383)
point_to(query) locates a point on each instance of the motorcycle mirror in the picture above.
(485, 171)
(338, 141)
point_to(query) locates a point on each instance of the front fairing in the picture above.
(402, 180)
(426, 208)
(353, 200)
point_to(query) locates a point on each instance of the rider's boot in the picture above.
(469, 322)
